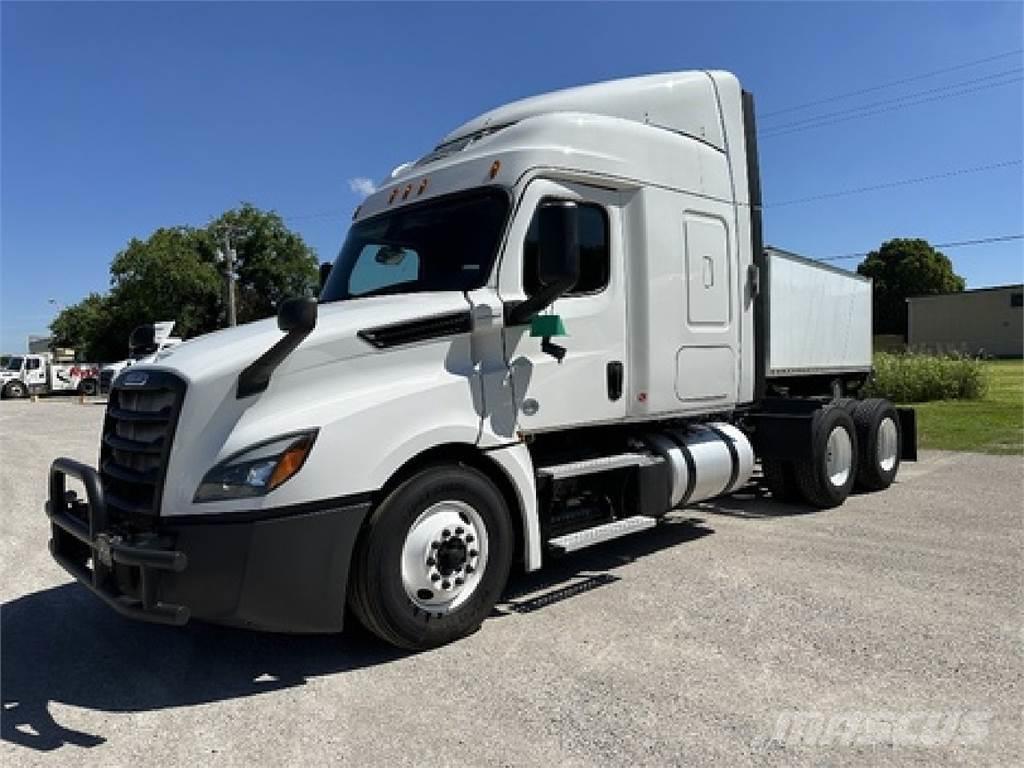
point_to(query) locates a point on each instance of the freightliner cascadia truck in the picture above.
(551, 330)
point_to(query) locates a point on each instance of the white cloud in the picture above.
(362, 186)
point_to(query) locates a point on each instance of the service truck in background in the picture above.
(47, 374)
(551, 330)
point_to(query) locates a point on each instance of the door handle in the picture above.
(615, 375)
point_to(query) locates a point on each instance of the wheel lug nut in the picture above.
(435, 576)
(430, 561)
(469, 538)
(473, 553)
(445, 533)
(446, 584)
(459, 582)
(470, 569)
(459, 531)
(435, 544)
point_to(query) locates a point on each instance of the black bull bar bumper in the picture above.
(82, 544)
(281, 569)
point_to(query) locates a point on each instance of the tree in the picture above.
(901, 268)
(84, 326)
(272, 262)
(174, 274)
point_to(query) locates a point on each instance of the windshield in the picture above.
(14, 364)
(447, 244)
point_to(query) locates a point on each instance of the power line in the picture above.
(898, 99)
(890, 84)
(893, 184)
(955, 244)
(801, 127)
(891, 109)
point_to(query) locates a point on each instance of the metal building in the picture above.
(982, 321)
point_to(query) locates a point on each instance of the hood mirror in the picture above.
(297, 314)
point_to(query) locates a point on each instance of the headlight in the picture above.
(258, 470)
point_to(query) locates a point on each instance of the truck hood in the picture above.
(227, 352)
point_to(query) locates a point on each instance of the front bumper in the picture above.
(283, 570)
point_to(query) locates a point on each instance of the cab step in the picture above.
(570, 542)
(600, 464)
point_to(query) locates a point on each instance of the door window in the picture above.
(31, 364)
(595, 259)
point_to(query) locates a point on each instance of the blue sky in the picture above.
(119, 118)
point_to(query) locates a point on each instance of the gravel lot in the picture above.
(684, 645)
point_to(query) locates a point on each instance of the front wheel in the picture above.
(88, 387)
(16, 390)
(433, 559)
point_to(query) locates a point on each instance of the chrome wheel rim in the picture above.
(886, 444)
(838, 456)
(444, 556)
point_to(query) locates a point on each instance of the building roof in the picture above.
(1010, 287)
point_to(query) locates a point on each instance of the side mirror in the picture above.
(558, 258)
(325, 272)
(297, 314)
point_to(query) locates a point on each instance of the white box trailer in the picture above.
(818, 317)
(551, 330)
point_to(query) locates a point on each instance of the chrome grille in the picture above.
(137, 434)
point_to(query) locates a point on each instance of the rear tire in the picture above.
(880, 441)
(433, 559)
(88, 387)
(826, 479)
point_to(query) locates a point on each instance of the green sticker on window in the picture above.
(547, 326)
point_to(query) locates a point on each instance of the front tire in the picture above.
(826, 479)
(88, 387)
(433, 559)
(16, 390)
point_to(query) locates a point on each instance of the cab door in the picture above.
(35, 372)
(587, 386)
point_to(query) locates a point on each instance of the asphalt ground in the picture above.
(888, 631)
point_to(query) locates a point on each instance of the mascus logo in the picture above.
(135, 379)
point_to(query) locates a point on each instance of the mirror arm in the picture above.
(521, 312)
(256, 377)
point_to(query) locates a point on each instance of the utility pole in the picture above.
(227, 255)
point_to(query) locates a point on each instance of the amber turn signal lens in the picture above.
(393, 193)
(495, 167)
(423, 186)
(291, 462)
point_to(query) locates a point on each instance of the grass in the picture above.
(992, 424)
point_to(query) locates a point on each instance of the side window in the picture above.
(31, 364)
(382, 266)
(1017, 299)
(595, 259)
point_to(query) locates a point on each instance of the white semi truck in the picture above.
(550, 331)
(41, 374)
(145, 344)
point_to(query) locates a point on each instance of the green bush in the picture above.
(917, 378)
